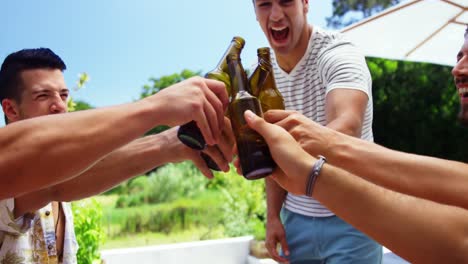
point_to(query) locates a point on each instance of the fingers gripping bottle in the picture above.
(189, 133)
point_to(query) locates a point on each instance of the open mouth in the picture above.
(463, 92)
(280, 34)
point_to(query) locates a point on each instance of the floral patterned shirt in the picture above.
(31, 238)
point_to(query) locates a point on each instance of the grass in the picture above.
(113, 216)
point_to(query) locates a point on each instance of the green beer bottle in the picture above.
(262, 82)
(220, 72)
(189, 133)
(254, 155)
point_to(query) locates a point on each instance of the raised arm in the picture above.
(426, 177)
(135, 158)
(71, 143)
(419, 230)
(431, 178)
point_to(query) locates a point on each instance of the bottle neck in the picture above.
(265, 62)
(234, 48)
(238, 77)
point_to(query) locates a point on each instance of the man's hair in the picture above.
(466, 31)
(26, 59)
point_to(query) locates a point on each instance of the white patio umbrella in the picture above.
(415, 30)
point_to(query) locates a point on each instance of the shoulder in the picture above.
(331, 42)
(326, 38)
(336, 47)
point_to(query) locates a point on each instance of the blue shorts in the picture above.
(327, 240)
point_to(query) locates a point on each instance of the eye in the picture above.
(64, 96)
(263, 3)
(41, 96)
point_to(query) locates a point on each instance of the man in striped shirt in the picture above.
(323, 76)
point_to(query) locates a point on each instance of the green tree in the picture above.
(346, 12)
(415, 108)
(79, 105)
(82, 105)
(157, 84)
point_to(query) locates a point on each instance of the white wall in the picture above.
(225, 251)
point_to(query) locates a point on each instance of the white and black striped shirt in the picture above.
(330, 62)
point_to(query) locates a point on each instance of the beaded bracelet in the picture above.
(314, 174)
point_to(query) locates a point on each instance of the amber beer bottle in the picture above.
(262, 83)
(254, 155)
(189, 133)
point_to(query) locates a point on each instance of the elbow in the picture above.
(354, 130)
(351, 126)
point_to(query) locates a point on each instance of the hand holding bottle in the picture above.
(295, 162)
(198, 99)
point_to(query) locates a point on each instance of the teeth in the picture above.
(462, 90)
(278, 28)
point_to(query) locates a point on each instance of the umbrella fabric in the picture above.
(416, 30)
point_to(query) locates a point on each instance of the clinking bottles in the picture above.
(189, 133)
(262, 82)
(254, 155)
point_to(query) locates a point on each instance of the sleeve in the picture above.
(342, 65)
(8, 223)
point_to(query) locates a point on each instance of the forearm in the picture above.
(47, 143)
(275, 198)
(426, 177)
(131, 160)
(416, 229)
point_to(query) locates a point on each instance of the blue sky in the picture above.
(122, 43)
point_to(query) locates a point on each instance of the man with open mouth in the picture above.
(323, 76)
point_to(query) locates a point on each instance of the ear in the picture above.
(11, 110)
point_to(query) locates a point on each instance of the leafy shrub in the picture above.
(174, 181)
(87, 216)
(244, 205)
(168, 183)
(138, 185)
(181, 214)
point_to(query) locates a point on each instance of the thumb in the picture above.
(254, 121)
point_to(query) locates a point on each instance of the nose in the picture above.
(58, 106)
(461, 67)
(276, 12)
